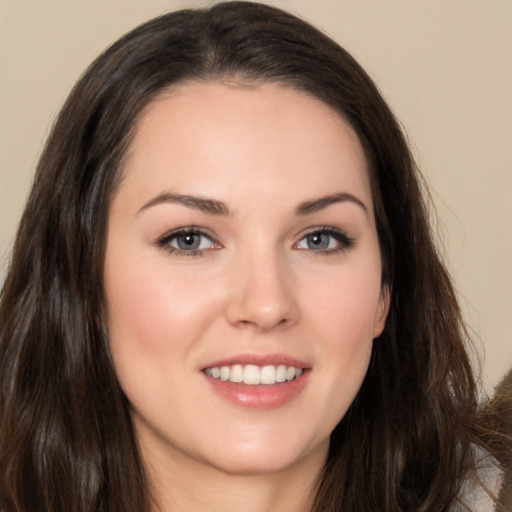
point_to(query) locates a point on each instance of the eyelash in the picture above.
(164, 242)
(345, 242)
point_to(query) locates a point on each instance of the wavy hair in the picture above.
(66, 436)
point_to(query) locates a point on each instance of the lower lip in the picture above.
(259, 397)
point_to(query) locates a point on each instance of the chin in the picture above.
(254, 465)
(269, 457)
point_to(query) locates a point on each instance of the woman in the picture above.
(225, 217)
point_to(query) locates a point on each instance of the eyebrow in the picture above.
(206, 205)
(323, 202)
(216, 207)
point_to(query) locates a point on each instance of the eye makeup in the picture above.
(193, 241)
(325, 240)
(187, 241)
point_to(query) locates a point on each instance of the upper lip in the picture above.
(258, 360)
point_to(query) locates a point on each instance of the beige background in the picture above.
(444, 65)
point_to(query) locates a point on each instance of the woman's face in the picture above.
(241, 249)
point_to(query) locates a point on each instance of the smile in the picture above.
(253, 375)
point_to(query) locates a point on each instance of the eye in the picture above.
(187, 241)
(325, 240)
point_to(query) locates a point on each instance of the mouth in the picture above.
(254, 375)
(258, 381)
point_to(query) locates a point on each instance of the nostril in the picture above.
(262, 325)
(262, 297)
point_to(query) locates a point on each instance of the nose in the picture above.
(262, 295)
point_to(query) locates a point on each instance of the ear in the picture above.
(382, 311)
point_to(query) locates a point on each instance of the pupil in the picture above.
(188, 241)
(318, 241)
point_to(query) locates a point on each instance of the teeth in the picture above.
(253, 375)
(235, 373)
(281, 373)
(224, 373)
(268, 375)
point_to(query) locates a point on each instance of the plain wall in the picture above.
(445, 66)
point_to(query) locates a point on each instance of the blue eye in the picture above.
(189, 242)
(325, 240)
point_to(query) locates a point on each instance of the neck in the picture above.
(191, 486)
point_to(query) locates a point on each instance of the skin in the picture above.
(257, 286)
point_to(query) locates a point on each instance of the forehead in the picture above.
(269, 139)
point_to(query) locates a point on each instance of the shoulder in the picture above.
(479, 489)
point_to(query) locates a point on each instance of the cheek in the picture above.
(345, 305)
(343, 361)
(155, 324)
(342, 324)
(155, 321)
(347, 333)
(155, 310)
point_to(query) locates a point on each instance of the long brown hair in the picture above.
(66, 438)
(498, 420)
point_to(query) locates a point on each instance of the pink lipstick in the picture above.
(257, 381)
